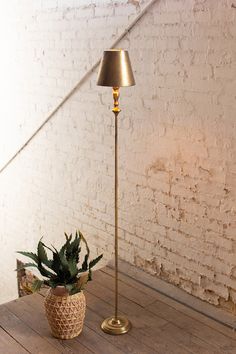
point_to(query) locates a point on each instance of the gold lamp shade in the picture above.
(115, 69)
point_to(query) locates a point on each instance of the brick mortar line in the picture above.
(74, 89)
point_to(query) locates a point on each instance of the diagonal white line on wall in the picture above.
(76, 87)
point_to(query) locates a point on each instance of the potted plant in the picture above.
(66, 276)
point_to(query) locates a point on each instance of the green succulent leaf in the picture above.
(63, 249)
(52, 283)
(27, 265)
(47, 247)
(74, 290)
(73, 269)
(48, 263)
(42, 255)
(95, 261)
(82, 281)
(72, 249)
(85, 263)
(69, 287)
(63, 269)
(29, 255)
(45, 272)
(85, 242)
(56, 264)
(37, 285)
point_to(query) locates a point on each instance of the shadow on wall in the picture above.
(177, 175)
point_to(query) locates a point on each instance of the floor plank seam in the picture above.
(129, 334)
(122, 294)
(35, 331)
(89, 349)
(9, 334)
(183, 330)
(124, 313)
(161, 324)
(200, 322)
(232, 327)
(110, 342)
(173, 323)
(189, 316)
(51, 337)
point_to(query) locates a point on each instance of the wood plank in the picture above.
(171, 302)
(26, 307)
(88, 337)
(96, 342)
(195, 344)
(107, 284)
(160, 324)
(23, 334)
(139, 296)
(201, 318)
(157, 341)
(127, 343)
(136, 313)
(8, 345)
(84, 340)
(215, 339)
(153, 294)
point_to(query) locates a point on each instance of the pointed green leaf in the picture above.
(95, 261)
(42, 255)
(37, 285)
(27, 265)
(63, 268)
(52, 283)
(29, 255)
(47, 247)
(82, 281)
(69, 287)
(48, 263)
(73, 269)
(86, 244)
(74, 290)
(45, 272)
(90, 275)
(85, 263)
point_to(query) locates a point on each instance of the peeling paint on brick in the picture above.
(177, 175)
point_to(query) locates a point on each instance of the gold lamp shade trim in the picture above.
(115, 69)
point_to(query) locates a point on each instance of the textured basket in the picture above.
(65, 314)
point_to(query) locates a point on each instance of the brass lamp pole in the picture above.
(115, 71)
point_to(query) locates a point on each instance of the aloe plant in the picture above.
(65, 268)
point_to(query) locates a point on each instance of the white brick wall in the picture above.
(177, 139)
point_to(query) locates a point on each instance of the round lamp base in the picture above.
(119, 325)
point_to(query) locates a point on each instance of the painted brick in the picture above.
(176, 138)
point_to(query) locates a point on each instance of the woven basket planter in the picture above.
(65, 314)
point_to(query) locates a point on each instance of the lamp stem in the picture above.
(116, 324)
(116, 214)
(116, 111)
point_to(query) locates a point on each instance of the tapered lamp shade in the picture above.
(115, 69)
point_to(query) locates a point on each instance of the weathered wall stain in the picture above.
(177, 170)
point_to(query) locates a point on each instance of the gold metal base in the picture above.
(111, 325)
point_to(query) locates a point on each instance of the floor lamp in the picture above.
(115, 71)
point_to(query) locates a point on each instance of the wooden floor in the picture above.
(160, 325)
